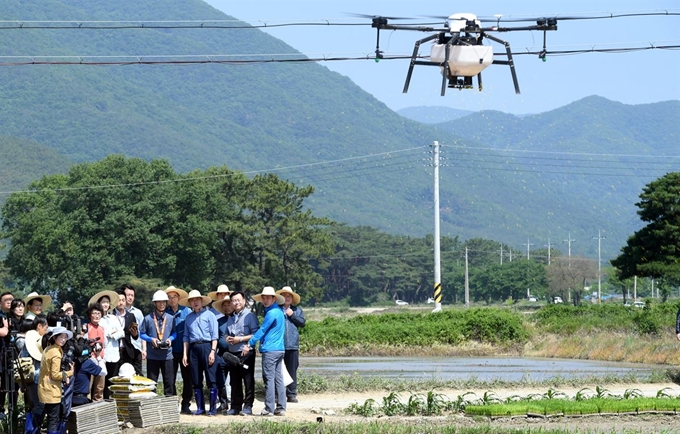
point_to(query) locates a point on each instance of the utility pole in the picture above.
(569, 240)
(634, 288)
(548, 246)
(501, 254)
(467, 280)
(599, 265)
(510, 251)
(437, 260)
(528, 247)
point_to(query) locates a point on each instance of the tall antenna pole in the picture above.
(569, 240)
(599, 265)
(437, 259)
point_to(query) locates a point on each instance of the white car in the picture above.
(533, 299)
(639, 304)
(557, 300)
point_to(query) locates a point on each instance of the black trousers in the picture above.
(188, 387)
(135, 361)
(153, 367)
(292, 360)
(240, 378)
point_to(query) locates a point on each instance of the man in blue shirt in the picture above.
(179, 314)
(158, 331)
(85, 370)
(271, 337)
(200, 347)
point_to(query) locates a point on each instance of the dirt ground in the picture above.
(330, 407)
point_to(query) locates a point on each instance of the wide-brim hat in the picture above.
(222, 289)
(112, 295)
(182, 293)
(195, 294)
(34, 344)
(268, 290)
(219, 305)
(46, 300)
(56, 331)
(288, 290)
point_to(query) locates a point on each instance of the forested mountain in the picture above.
(295, 118)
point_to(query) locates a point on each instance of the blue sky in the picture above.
(632, 78)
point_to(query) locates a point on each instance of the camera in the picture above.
(164, 345)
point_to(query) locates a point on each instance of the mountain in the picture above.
(433, 115)
(369, 165)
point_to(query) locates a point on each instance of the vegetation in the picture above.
(654, 250)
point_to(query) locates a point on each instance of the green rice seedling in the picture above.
(490, 397)
(477, 410)
(367, 409)
(570, 408)
(631, 393)
(663, 393)
(392, 405)
(626, 406)
(583, 394)
(588, 407)
(606, 406)
(667, 404)
(435, 403)
(467, 398)
(552, 407)
(554, 394)
(415, 405)
(645, 404)
(602, 392)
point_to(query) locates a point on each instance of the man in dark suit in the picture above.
(127, 350)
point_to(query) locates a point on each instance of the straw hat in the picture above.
(46, 300)
(182, 293)
(288, 290)
(222, 289)
(219, 305)
(268, 290)
(112, 295)
(195, 294)
(34, 344)
(56, 331)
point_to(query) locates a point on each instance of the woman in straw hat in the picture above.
(36, 304)
(52, 377)
(272, 348)
(200, 348)
(113, 333)
(221, 293)
(295, 319)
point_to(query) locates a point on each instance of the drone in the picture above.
(458, 48)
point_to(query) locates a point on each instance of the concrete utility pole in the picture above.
(437, 259)
(548, 246)
(528, 247)
(569, 240)
(501, 254)
(634, 288)
(467, 280)
(599, 265)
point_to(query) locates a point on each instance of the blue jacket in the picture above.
(271, 331)
(178, 322)
(293, 323)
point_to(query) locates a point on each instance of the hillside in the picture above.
(295, 118)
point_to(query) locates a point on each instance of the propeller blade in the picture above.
(377, 16)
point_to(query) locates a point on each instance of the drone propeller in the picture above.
(373, 17)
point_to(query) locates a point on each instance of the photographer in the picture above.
(90, 363)
(31, 346)
(158, 330)
(53, 375)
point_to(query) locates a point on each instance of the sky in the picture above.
(632, 78)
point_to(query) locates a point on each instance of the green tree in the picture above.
(654, 250)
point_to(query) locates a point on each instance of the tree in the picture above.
(567, 275)
(654, 250)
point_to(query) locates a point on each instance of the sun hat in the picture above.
(56, 331)
(222, 289)
(268, 290)
(195, 294)
(219, 305)
(288, 290)
(182, 293)
(46, 300)
(112, 295)
(34, 344)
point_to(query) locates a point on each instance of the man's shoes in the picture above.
(231, 412)
(247, 411)
(292, 399)
(185, 410)
(265, 413)
(279, 412)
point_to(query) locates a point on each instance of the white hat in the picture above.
(222, 289)
(56, 331)
(34, 344)
(160, 295)
(268, 290)
(288, 290)
(195, 294)
(46, 300)
(182, 293)
(112, 296)
(126, 370)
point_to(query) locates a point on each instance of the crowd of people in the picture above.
(200, 338)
